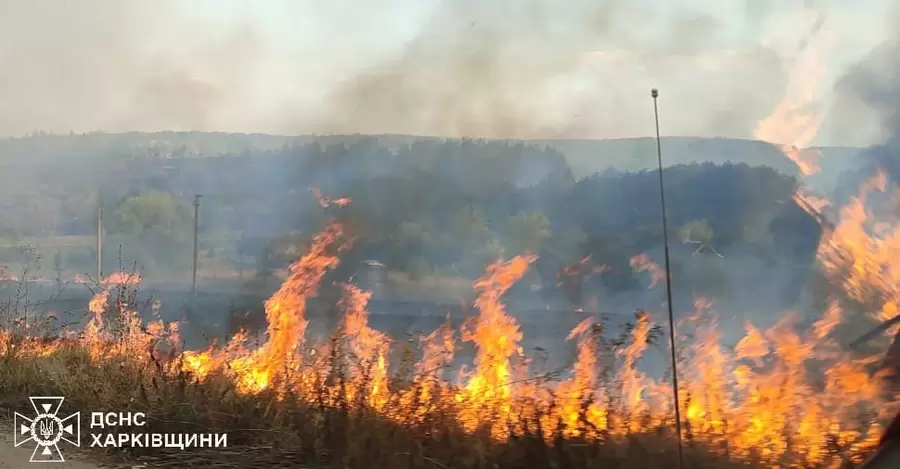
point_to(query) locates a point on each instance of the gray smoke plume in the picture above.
(527, 68)
(118, 66)
(539, 68)
(868, 96)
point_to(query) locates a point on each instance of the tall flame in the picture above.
(785, 396)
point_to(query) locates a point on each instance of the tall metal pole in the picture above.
(654, 93)
(99, 243)
(196, 242)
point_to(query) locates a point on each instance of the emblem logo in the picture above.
(47, 429)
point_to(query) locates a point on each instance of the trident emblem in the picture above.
(46, 428)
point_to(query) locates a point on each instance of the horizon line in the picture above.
(46, 133)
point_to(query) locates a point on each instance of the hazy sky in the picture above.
(494, 68)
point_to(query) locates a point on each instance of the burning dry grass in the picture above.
(783, 397)
(339, 406)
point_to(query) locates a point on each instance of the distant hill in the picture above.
(585, 157)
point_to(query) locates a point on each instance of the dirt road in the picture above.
(17, 458)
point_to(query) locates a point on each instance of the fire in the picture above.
(119, 330)
(285, 311)
(326, 202)
(643, 263)
(812, 203)
(122, 278)
(862, 254)
(781, 394)
(496, 336)
(583, 388)
(369, 375)
(580, 269)
(428, 385)
(285, 314)
(631, 379)
(795, 121)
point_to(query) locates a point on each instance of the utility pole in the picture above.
(99, 244)
(196, 242)
(665, 226)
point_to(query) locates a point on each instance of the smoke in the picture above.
(872, 86)
(868, 102)
(529, 68)
(536, 68)
(117, 66)
(504, 68)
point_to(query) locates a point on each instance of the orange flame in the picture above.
(326, 202)
(643, 263)
(795, 121)
(783, 397)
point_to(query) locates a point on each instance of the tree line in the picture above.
(428, 207)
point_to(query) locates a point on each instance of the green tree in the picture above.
(410, 242)
(412, 235)
(466, 240)
(527, 231)
(155, 212)
(573, 236)
(701, 235)
(155, 227)
(470, 227)
(614, 252)
(698, 231)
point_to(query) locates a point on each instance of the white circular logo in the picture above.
(47, 429)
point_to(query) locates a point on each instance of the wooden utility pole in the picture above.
(99, 243)
(196, 242)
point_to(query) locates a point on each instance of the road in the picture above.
(17, 458)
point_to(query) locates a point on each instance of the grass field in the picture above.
(328, 423)
(288, 402)
(335, 416)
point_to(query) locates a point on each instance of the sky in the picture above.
(486, 68)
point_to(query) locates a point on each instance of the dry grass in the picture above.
(269, 430)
